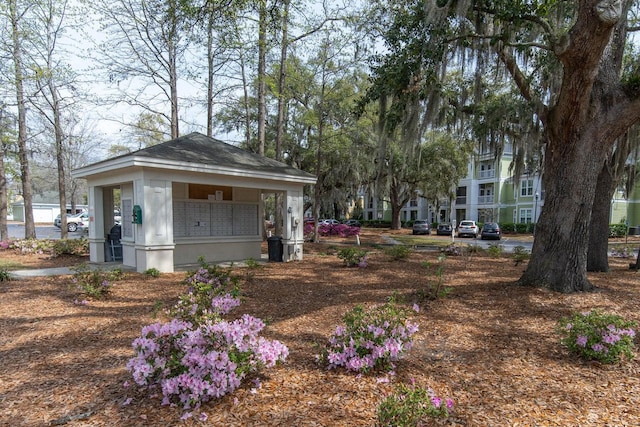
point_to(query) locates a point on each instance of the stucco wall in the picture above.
(189, 252)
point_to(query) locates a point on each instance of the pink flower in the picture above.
(449, 403)
(436, 401)
(581, 340)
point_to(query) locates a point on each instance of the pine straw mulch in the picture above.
(490, 345)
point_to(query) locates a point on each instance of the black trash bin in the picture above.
(274, 243)
(634, 231)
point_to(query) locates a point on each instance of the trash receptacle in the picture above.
(274, 244)
(634, 231)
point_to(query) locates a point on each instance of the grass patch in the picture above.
(421, 241)
(11, 265)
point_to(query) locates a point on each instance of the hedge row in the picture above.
(615, 230)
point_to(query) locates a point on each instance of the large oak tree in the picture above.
(565, 59)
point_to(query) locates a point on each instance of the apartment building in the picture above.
(491, 193)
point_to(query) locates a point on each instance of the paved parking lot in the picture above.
(43, 231)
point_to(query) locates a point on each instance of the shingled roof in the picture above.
(197, 151)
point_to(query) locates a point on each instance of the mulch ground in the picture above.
(489, 345)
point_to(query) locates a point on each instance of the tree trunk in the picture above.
(397, 201)
(590, 114)
(262, 74)
(598, 249)
(4, 199)
(635, 265)
(173, 82)
(59, 141)
(559, 254)
(210, 73)
(247, 106)
(281, 104)
(25, 174)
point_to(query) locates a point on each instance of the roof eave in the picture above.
(139, 161)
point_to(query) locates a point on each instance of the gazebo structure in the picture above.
(191, 197)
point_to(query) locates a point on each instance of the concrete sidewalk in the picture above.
(60, 271)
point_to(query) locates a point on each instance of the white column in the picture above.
(293, 232)
(154, 246)
(96, 224)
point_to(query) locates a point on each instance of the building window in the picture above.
(526, 216)
(487, 170)
(461, 195)
(486, 194)
(526, 187)
(413, 203)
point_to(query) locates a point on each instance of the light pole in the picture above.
(535, 213)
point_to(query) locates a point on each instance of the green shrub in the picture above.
(4, 275)
(495, 250)
(152, 272)
(398, 252)
(472, 249)
(435, 287)
(520, 254)
(95, 283)
(352, 257)
(598, 336)
(252, 263)
(617, 230)
(70, 247)
(411, 406)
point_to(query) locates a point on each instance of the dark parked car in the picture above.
(490, 230)
(421, 226)
(352, 223)
(444, 229)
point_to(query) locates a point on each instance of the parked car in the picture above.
(444, 229)
(468, 228)
(328, 222)
(352, 223)
(73, 221)
(490, 230)
(421, 226)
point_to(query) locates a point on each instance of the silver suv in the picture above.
(468, 228)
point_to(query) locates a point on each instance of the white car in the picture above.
(74, 222)
(328, 222)
(468, 228)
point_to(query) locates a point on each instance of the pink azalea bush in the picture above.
(198, 356)
(340, 230)
(193, 364)
(211, 292)
(412, 406)
(595, 335)
(371, 338)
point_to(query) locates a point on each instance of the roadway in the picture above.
(16, 231)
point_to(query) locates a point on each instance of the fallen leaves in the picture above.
(490, 345)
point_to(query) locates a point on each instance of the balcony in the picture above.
(485, 200)
(485, 174)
